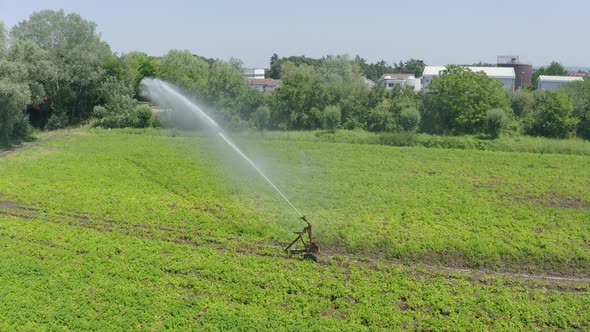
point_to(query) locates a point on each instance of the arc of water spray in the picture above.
(259, 171)
(161, 85)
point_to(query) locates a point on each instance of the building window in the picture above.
(390, 84)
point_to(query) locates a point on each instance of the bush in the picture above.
(495, 121)
(406, 138)
(409, 119)
(522, 102)
(551, 116)
(57, 120)
(583, 129)
(140, 116)
(21, 128)
(331, 117)
(261, 117)
(381, 118)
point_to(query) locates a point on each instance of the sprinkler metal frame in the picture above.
(310, 249)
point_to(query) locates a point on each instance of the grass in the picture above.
(132, 229)
(506, 143)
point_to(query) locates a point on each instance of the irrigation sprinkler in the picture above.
(310, 249)
(166, 94)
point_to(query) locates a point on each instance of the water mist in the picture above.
(166, 95)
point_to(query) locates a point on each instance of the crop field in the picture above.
(150, 230)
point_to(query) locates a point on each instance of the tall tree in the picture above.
(412, 66)
(552, 115)
(14, 97)
(459, 99)
(298, 101)
(275, 67)
(75, 49)
(2, 40)
(184, 69)
(139, 65)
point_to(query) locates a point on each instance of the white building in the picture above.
(505, 75)
(253, 73)
(553, 82)
(402, 80)
(264, 84)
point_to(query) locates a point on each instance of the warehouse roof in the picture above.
(496, 72)
(547, 78)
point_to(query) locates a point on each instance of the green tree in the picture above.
(579, 92)
(522, 102)
(300, 91)
(41, 71)
(75, 49)
(496, 120)
(345, 87)
(261, 117)
(14, 97)
(185, 70)
(331, 117)
(275, 67)
(139, 65)
(459, 99)
(409, 119)
(2, 40)
(381, 117)
(230, 93)
(412, 66)
(552, 115)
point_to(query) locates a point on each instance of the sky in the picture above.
(438, 32)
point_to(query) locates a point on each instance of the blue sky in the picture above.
(439, 32)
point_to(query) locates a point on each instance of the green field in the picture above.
(133, 229)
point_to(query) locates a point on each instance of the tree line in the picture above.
(55, 70)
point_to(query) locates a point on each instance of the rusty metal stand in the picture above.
(310, 248)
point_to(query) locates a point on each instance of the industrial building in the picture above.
(523, 72)
(553, 82)
(402, 80)
(503, 74)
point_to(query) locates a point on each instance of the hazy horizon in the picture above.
(439, 33)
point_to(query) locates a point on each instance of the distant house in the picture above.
(253, 73)
(505, 75)
(553, 82)
(264, 84)
(583, 74)
(389, 81)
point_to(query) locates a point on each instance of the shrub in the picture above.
(409, 119)
(522, 102)
(141, 116)
(381, 118)
(21, 128)
(551, 116)
(495, 121)
(261, 117)
(583, 129)
(331, 117)
(406, 138)
(57, 120)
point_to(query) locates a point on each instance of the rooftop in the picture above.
(264, 81)
(547, 78)
(497, 72)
